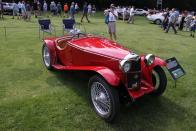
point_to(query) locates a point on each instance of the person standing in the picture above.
(112, 15)
(72, 10)
(188, 21)
(166, 19)
(15, 10)
(193, 27)
(93, 10)
(65, 8)
(28, 9)
(85, 12)
(53, 8)
(59, 8)
(131, 15)
(181, 26)
(39, 8)
(45, 8)
(124, 12)
(89, 9)
(1, 9)
(35, 8)
(20, 9)
(172, 20)
(76, 8)
(23, 10)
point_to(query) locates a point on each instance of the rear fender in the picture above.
(51, 46)
(147, 70)
(108, 75)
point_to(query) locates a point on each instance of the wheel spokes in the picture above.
(100, 98)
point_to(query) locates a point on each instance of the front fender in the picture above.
(158, 62)
(108, 75)
(147, 70)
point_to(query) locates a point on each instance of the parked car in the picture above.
(116, 73)
(158, 18)
(141, 12)
(120, 14)
(8, 8)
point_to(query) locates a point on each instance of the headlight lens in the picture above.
(149, 59)
(125, 66)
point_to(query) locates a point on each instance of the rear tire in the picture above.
(103, 98)
(159, 81)
(46, 56)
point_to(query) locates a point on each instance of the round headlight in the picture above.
(127, 66)
(149, 59)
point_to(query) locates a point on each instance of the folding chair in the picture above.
(69, 26)
(46, 26)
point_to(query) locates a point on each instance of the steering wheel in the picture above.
(78, 35)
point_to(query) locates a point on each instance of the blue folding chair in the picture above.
(69, 26)
(46, 26)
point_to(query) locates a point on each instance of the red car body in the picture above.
(102, 56)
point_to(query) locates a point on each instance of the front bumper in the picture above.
(145, 88)
(150, 18)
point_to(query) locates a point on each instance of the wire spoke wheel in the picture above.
(101, 99)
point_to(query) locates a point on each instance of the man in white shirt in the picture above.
(112, 22)
(131, 15)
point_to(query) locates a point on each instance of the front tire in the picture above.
(158, 21)
(104, 98)
(159, 81)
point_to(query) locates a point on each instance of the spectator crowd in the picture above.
(24, 9)
(184, 21)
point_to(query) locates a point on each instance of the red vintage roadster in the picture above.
(117, 73)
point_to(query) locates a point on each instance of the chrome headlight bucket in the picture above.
(149, 59)
(125, 65)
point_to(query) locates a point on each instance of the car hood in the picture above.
(101, 46)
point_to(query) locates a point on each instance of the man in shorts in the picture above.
(112, 22)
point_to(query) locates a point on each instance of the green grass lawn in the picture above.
(33, 98)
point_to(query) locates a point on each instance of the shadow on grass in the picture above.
(147, 113)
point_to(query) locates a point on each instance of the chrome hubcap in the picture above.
(100, 99)
(157, 79)
(46, 56)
